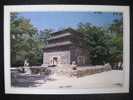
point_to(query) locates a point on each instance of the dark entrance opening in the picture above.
(55, 60)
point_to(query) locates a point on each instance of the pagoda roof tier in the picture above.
(63, 31)
(58, 44)
(59, 36)
(68, 29)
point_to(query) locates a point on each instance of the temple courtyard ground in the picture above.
(112, 78)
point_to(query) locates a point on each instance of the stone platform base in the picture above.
(78, 71)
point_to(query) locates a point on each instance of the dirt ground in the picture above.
(113, 78)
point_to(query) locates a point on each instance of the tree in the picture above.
(96, 41)
(104, 45)
(25, 42)
(45, 34)
(116, 29)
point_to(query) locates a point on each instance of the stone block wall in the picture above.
(63, 57)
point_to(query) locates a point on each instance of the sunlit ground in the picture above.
(113, 78)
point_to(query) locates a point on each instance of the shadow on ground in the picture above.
(28, 80)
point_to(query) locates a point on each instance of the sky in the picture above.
(57, 20)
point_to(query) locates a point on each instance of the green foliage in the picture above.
(116, 29)
(44, 35)
(104, 45)
(25, 42)
(96, 41)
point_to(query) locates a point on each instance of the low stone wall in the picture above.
(40, 70)
(66, 70)
(70, 71)
(32, 70)
(90, 70)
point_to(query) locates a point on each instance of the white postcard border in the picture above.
(48, 8)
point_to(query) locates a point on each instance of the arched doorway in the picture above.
(55, 60)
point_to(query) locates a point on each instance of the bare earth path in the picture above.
(107, 79)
